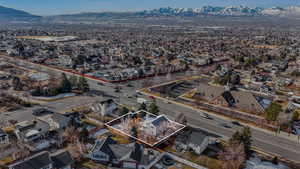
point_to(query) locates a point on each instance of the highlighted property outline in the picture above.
(140, 140)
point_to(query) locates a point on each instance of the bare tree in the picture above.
(147, 83)
(233, 156)
(22, 151)
(76, 150)
(71, 135)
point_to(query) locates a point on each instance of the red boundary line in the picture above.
(91, 77)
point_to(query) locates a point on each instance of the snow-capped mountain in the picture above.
(206, 10)
(288, 11)
(226, 11)
(293, 11)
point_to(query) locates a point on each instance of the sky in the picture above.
(53, 7)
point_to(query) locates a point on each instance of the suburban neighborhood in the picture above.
(168, 88)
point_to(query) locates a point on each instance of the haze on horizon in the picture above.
(54, 7)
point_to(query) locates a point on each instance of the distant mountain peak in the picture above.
(10, 14)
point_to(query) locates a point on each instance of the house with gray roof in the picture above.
(31, 130)
(232, 98)
(62, 160)
(56, 121)
(104, 106)
(33, 134)
(194, 139)
(101, 150)
(132, 155)
(244, 101)
(155, 126)
(38, 161)
(45, 160)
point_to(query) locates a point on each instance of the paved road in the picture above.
(263, 140)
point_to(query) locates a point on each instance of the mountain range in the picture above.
(9, 14)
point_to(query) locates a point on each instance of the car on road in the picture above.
(100, 84)
(225, 125)
(167, 102)
(142, 100)
(206, 116)
(129, 85)
(118, 87)
(236, 123)
(128, 95)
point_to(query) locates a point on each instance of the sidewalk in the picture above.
(186, 162)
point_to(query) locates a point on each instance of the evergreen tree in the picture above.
(74, 81)
(83, 135)
(134, 132)
(153, 108)
(275, 160)
(124, 111)
(273, 111)
(65, 84)
(143, 107)
(16, 83)
(83, 84)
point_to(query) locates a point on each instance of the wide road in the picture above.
(265, 141)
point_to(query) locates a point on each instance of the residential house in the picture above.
(65, 60)
(233, 98)
(195, 140)
(4, 138)
(132, 155)
(55, 121)
(31, 130)
(38, 161)
(33, 134)
(101, 151)
(45, 160)
(241, 100)
(62, 160)
(155, 126)
(104, 106)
